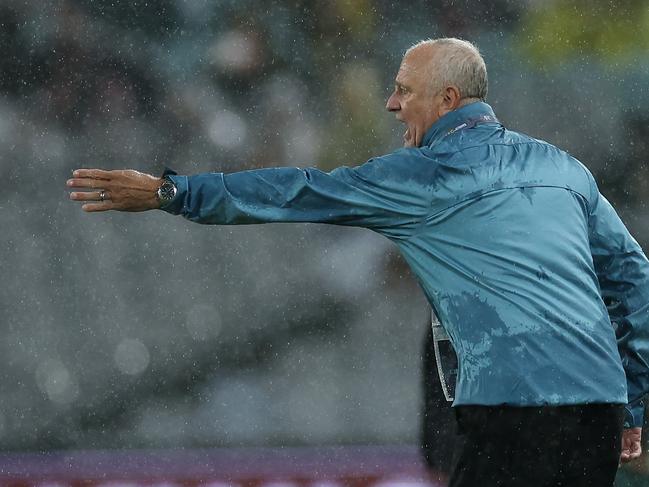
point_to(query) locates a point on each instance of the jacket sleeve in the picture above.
(375, 195)
(623, 273)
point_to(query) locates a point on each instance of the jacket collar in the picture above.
(454, 119)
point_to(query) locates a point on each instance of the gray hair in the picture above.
(457, 62)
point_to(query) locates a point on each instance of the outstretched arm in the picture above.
(385, 194)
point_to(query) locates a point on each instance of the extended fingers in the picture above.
(123, 190)
(89, 178)
(92, 173)
(89, 196)
(99, 206)
(86, 183)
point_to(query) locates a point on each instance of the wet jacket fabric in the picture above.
(541, 288)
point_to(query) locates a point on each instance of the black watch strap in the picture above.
(168, 172)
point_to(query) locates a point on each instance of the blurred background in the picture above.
(147, 331)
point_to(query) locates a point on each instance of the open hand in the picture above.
(631, 448)
(122, 190)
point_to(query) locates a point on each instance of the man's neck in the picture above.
(466, 101)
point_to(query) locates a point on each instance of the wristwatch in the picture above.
(166, 191)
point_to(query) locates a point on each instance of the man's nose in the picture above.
(392, 104)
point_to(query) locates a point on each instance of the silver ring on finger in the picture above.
(102, 195)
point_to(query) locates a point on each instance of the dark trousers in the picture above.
(537, 446)
(438, 419)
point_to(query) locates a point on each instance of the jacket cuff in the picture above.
(176, 205)
(634, 414)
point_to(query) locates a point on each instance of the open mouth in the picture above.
(408, 135)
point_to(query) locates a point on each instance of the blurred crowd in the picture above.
(147, 331)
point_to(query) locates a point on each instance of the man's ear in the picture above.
(452, 97)
(450, 100)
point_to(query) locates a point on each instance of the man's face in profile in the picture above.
(413, 101)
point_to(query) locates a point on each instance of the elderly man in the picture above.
(541, 288)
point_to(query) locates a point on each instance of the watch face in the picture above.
(167, 191)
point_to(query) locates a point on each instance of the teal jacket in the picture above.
(541, 288)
